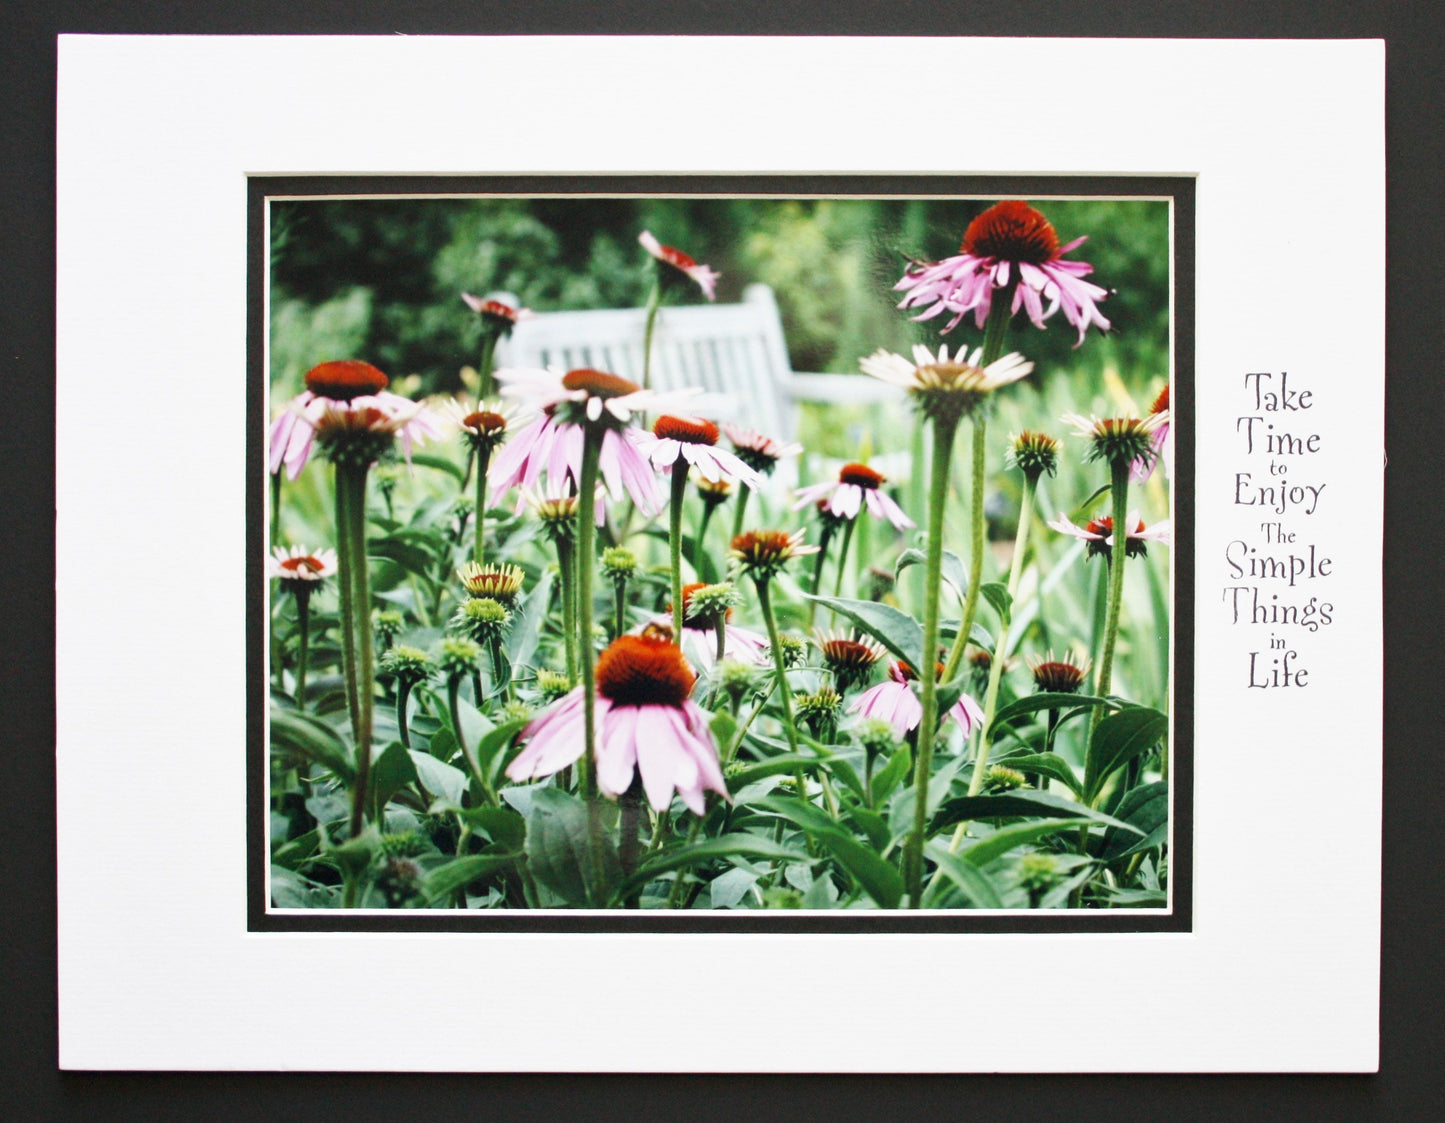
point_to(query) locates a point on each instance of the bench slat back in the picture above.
(735, 350)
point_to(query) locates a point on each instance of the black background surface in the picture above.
(1410, 1085)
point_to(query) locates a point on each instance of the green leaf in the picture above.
(895, 630)
(871, 824)
(787, 763)
(1018, 804)
(314, 740)
(559, 849)
(445, 880)
(390, 772)
(952, 570)
(879, 878)
(996, 845)
(440, 778)
(1146, 809)
(1035, 703)
(440, 463)
(998, 598)
(740, 844)
(801, 814)
(891, 774)
(972, 882)
(1046, 764)
(488, 755)
(1118, 739)
(1139, 898)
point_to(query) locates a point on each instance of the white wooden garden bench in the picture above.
(736, 350)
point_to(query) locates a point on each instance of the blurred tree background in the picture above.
(380, 278)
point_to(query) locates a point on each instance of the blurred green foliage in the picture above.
(380, 279)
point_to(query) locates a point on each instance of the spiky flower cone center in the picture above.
(644, 671)
(688, 430)
(598, 383)
(1011, 231)
(484, 421)
(676, 258)
(345, 379)
(1058, 677)
(848, 654)
(499, 311)
(1161, 403)
(762, 549)
(860, 475)
(303, 567)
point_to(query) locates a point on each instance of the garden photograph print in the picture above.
(770, 555)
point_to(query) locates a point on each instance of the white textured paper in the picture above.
(156, 138)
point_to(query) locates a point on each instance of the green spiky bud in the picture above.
(1037, 871)
(407, 665)
(481, 619)
(999, 776)
(552, 685)
(619, 563)
(458, 657)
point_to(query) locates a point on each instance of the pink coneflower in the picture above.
(299, 564)
(1118, 440)
(895, 702)
(694, 441)
(759, 452)
(849, 657)
(857, 485)
(1143, 466)
(1008, 244)
(1059, 676)
(762, 553)
(1098, 534)
(945, 386)
(545, 445)
(647, 726)
(706, 278)
(699, 633)
(499, 311)
(344, 394)
(484, 424)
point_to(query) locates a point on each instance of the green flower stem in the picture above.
(619, 605)
(501, 680)
(780, 672)
(674, 895)
(1119, 492)
(1000, 649)
(303, 630)
(995, 332)
(842, 561)
(976, 548)
(356, 628)
(586, 563)
(744, 494)
(944, 429)
(674, 542)
(567, 575)
(403, 692)
(479, 514)
(454, 708)
(731, 750)
(721, 630)
(486, 385)
(654, 302)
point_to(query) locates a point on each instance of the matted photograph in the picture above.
(720, 556)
